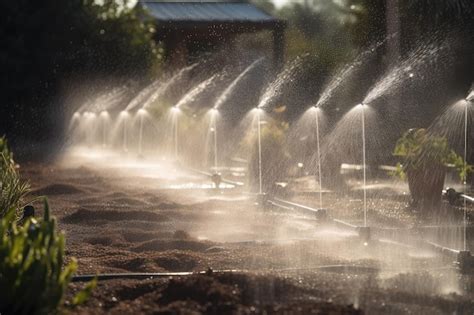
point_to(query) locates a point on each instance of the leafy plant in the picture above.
(12, 189)
(420, 150)
(32, 278)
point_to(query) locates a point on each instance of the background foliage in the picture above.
(47, 45)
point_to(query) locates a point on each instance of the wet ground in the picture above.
(123, 215)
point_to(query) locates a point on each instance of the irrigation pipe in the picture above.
(354, 269)
(227, 181)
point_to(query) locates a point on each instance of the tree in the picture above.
(48, 44)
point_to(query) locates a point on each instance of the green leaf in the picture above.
(83, 295)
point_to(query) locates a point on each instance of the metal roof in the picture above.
(207, 11)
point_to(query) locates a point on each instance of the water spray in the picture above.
(216, 176)
(364, 231)
(124, 114)
(465, 258)
(214, 113)
(104, 115)
(90, 118)
(175, 110)
(259, 133)
(141, 114)
(317, 109)
(465, 177)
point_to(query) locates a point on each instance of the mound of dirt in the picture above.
(57, 189)
(203, 290)
(85, 216)
(169, 206)
(100, 240)
(139, 237)
(164, 245)
(137, 264)
(181, 235)
(177, 261)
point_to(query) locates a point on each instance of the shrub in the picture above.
(12, 189)
(424, 160)
(419, 150)
(32, 277)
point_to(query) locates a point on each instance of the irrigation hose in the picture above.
(341, 268)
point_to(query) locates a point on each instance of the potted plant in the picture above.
(424, 160)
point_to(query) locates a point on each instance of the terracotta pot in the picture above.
(426, 187)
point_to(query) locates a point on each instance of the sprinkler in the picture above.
(216, 179)
(364, 231)
(364, 234)
(456, 198)
(318, 147)
(364, 166)
(262, 197)
(262, 200)
(214, 113)
(28, 212)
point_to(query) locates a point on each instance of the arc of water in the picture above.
(260, 188)
(230, 88)
(319, 160)
(364, 167)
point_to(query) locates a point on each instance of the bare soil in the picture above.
(119, 221)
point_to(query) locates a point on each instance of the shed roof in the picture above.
(207, 12)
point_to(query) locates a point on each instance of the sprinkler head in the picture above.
(361, 105)
(262, 200)
(28, 212)
(175, 109)
(322, 214)
(142, 111)
(216, 179)
(104, 113)
(364, 234)
(214, 110)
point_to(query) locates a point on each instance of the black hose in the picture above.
(353, 269)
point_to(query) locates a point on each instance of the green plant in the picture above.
(32, 277)
(12, 189)
(420, 150)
